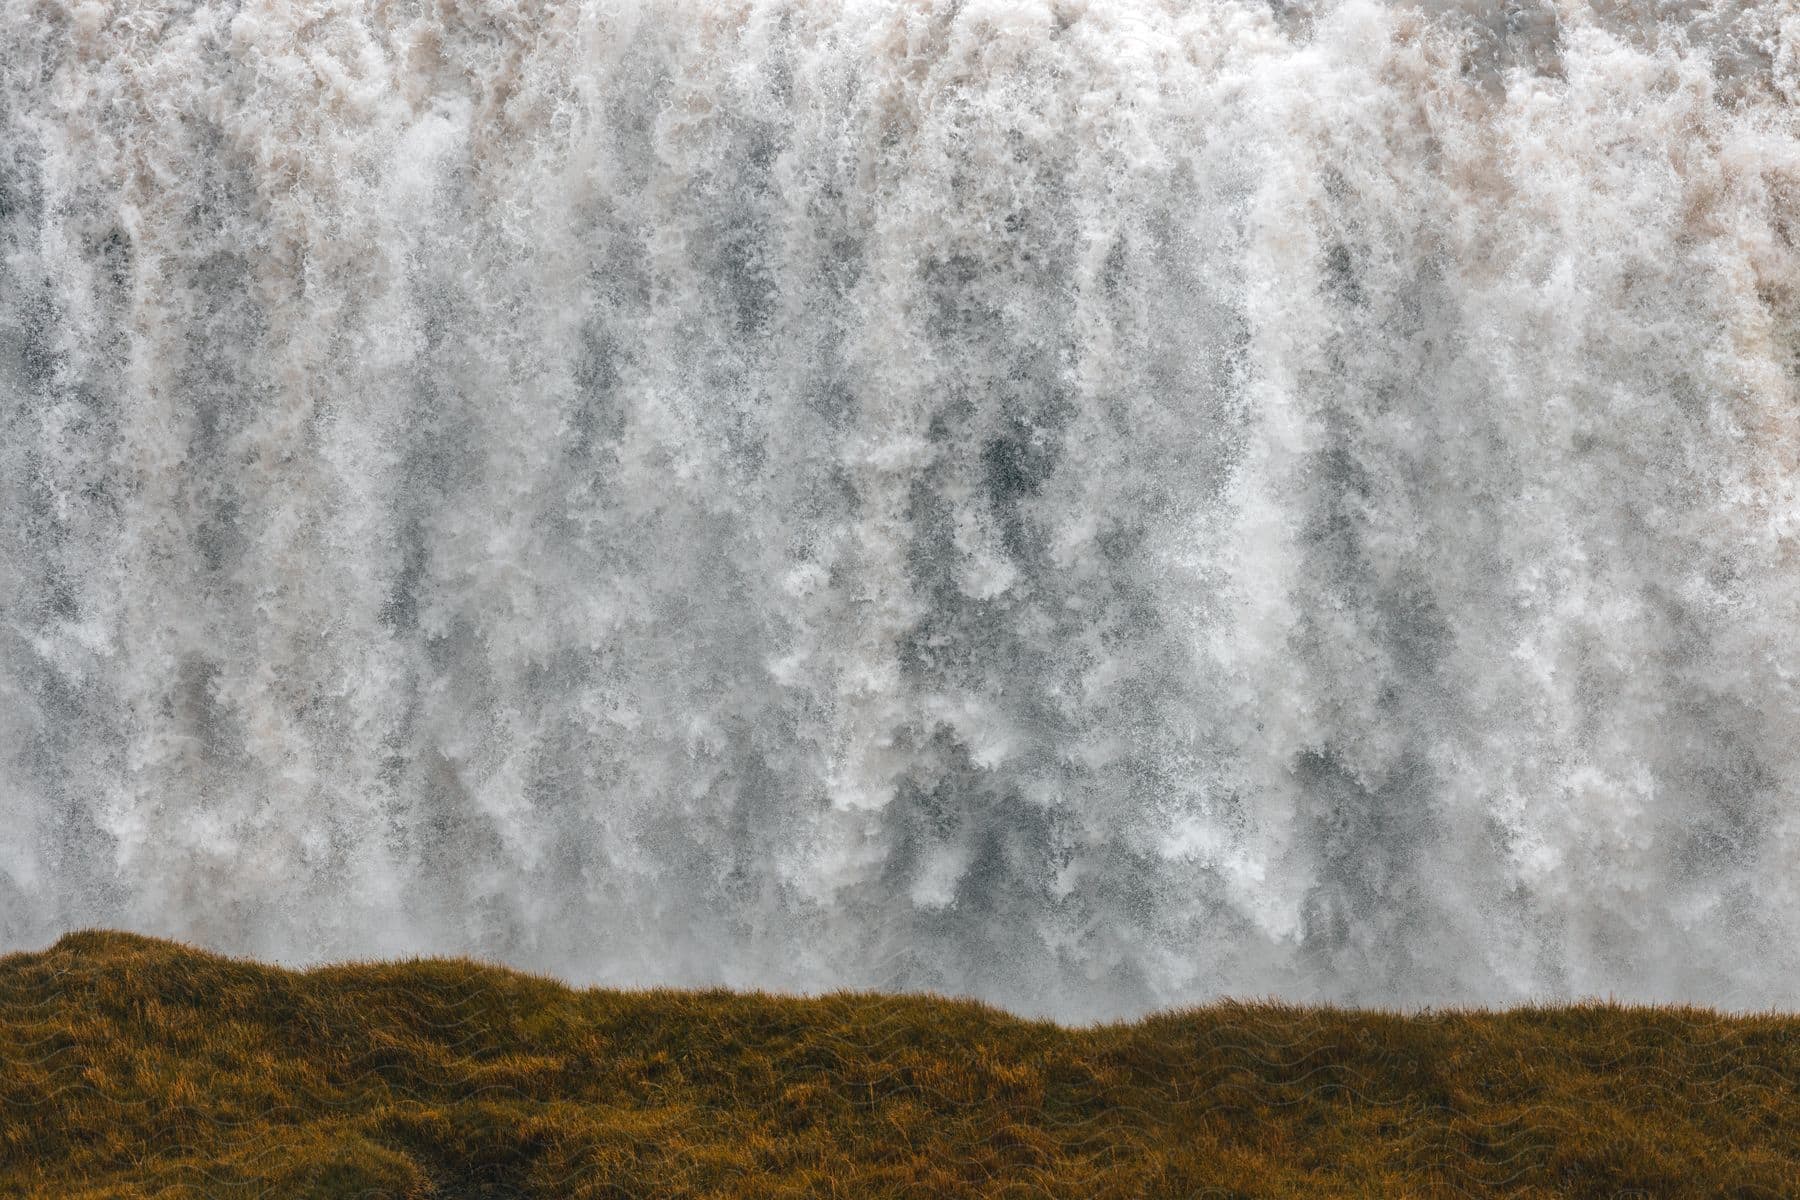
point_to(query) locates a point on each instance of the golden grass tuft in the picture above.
(136, 1067)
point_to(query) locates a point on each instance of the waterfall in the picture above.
(1091, 504)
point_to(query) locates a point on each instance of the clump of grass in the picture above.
(136, 1067)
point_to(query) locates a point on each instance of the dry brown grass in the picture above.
(136, 1067)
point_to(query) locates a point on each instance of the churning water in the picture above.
(1090, 503)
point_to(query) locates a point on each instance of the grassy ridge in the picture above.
(136, 1067)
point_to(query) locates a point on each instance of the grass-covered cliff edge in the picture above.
(136, 1067)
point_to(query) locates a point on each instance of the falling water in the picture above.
(1094, 504)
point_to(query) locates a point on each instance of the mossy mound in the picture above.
(136, 1067)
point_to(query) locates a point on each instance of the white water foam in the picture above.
(1093, 504)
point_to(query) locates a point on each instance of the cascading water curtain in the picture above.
(1094, 504)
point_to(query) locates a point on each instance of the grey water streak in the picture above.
(1095, 506)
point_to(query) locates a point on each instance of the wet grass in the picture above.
(136, 1067)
